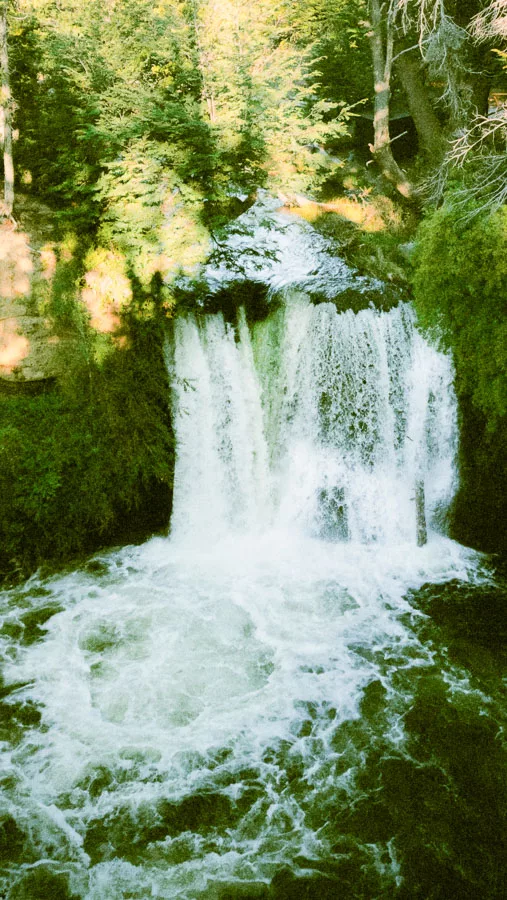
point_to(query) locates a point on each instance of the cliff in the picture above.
(29, 346)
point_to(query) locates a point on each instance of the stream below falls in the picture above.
(285, 698)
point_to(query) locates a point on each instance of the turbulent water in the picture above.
(268, 703)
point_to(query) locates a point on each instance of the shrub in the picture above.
(87, 463)
(460, 280)
(460, 285)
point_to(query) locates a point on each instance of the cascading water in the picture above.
(312, 420)
(257, 706)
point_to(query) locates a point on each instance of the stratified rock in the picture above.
(29, 348)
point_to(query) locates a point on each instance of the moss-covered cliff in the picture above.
(460, 286)
(85, 434)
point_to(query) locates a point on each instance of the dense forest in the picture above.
(135, 132)
(253, 449)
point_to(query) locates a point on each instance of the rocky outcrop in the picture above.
(29, 347)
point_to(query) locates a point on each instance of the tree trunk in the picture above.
(427, 125)
(6, 116)
(382, 59)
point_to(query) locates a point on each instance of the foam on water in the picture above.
(181, 688)
(181, 673)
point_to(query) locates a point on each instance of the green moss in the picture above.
(374, 244)
(12, 840)
(41, 884)
(126, 833)
(460, 287)
(29, 627)
(15, 714)
(89, 463)
(384, 298)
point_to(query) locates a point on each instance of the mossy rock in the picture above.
(288, 886)
(41, 884)
(127, 832)
(236, 890)
(15, 715)
(12, 840)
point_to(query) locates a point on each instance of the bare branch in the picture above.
(491, 23)
(480, 154)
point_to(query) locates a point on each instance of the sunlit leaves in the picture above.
(124, 104)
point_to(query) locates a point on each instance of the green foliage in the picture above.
(370, 230)
(337, 35)
(89, 463)
(460, 283)
(460, 286)
(54, 106)
(132, 189)
(120, 107)
(373, 253)
(56, 296)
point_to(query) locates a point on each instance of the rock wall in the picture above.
(29, 348)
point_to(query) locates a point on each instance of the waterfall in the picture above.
(261, 704)
(313, 421)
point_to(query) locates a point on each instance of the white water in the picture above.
(314, 422)
(280, 250)
(198, 657)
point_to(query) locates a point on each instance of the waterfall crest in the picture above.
(312, 420)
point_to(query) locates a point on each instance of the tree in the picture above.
(440, 29)
(6, 115)
(382, 35)
(432, 38)
(428, 127)
(479, 151)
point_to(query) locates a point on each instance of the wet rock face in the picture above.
(11, 840)
(29, 348)
(41, 884)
